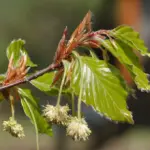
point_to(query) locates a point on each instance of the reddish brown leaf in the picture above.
(57, 76)
(61, 47)
(64, 49)
(15, 74)
(84, 26)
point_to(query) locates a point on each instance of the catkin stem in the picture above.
(11, 98)
(73, 106)
(61, 87)
(80, 94)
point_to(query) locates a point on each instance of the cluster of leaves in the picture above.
(97, 82)
(19, 63)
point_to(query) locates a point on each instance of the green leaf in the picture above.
(2, 78)
(103, 87)
(127, 57)
(32, 110)
(141, 79)
(16, 48)
(43, 82)
(130, 37)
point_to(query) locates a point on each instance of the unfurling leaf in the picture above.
(131, 38)
(16, 73)
(32, 110)
(78, 37)
(16, 48)
(103, 88)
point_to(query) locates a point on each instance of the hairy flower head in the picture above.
(62, 117)
(13, 128)
(78, 129)
(58, 115)
(50, 113)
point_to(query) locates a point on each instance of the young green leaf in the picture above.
(43, 82)
(103, 87)
(2, 77)
(16, 48)
(126, 56)
(32, 110)
(130, 37)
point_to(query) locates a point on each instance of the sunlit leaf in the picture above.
(126, 56)
(43, 83)
(130, 37)
(32, 110)
(103, 88)
(16, 48)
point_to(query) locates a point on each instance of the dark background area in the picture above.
(41, 24)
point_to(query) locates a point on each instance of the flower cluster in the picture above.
(13, 128)
(58, 115)
(76, 128)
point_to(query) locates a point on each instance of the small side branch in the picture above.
(50, 68)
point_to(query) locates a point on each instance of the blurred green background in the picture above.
(41, 24)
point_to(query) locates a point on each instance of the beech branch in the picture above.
(50, 68)
(82, 36)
